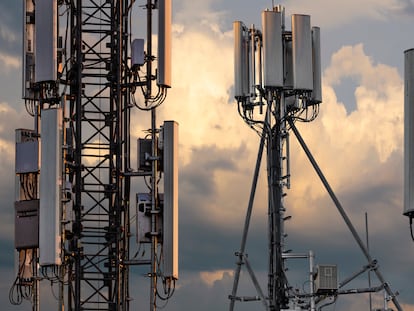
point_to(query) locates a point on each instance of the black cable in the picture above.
(329, 303)
(18, 290)
(15, 297)
(411, 227)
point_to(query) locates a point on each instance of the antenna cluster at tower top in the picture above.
(275, 61)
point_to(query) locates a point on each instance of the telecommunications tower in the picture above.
(83, 76)
(278, 83)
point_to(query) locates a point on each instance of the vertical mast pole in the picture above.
(78, 152)
(154, 192)
(126, 160)
(276, 273)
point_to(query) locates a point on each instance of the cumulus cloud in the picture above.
(366, 138)
(210, 277)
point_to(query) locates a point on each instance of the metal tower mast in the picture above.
(275, 87)
(98, 112)
(80, 86)
(280, 71)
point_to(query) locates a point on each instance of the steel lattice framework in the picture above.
(98, 113)
(80, 77)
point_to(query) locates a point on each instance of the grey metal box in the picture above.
(26, 225)
(326, 279)
(143, 152)
(27, 157)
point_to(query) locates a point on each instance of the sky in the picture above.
(357, 140)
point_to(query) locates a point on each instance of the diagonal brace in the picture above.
(343, 213)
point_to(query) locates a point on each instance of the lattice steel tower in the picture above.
(98, 113)
(81, 70)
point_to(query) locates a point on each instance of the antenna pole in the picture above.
(369, 271)
(276, 282)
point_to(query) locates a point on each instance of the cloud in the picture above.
(10, 62)
(211, 277)
(360, 153)
(11, 23)
(342, 13)
(404, 7)
(366, 138)
(11, 14)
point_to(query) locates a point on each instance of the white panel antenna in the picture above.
(46, 43)
(252, 62)
(409, 133)
(28, 48)
(241, 62)
(316, 66)
(170, 214)
(272, 49)
(302, 52)
(50, 187)
(164, 43)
